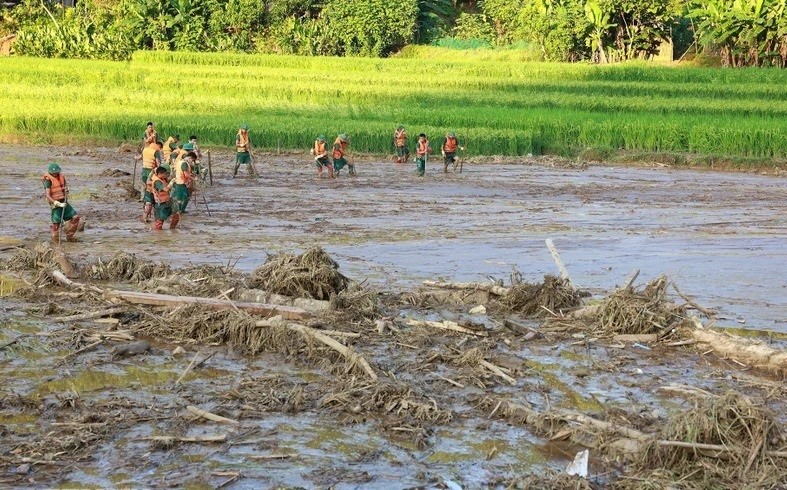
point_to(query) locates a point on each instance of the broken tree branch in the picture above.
(445, 325)
(556, 257)
(92, 315)
(490, 288)
(210, 416)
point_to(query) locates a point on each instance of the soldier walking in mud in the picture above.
(243, 153)
(400, 145)
(56, 192)
(163, 209)
(448, 150)
(421, 154)
(340, 152)
(321, 159)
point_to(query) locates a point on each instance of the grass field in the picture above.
(496, 108)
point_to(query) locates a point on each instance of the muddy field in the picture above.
(493, 405)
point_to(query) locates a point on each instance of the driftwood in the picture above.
(715, 447)
(193, 365)
(172, 439)
(131, 349)
(445, 325)
(643, 337)
(321, 337)
(287, 312)
(315, 306)
(490, 288)
(633, 275)
(744, 350)
(210, 416)
(498, 371)
(518, 327)
(92, 314)
(558, 262)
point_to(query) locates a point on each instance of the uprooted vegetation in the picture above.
(383, 363)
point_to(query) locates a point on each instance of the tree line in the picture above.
(740, 32)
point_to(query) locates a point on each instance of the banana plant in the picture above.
(600, 24)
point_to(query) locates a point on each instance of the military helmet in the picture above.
(344, 137)
(450, 134)
(166, 167)
(400, 127)
(321, 137)
(53, 168)
(244, 127)
(188, 147)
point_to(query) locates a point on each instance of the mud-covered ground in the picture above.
(719, 236)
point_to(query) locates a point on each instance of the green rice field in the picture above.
(496, 108)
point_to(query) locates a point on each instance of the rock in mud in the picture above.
(130, 349)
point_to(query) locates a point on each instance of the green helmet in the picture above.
(400, 127)
(166, 167)
(450, 135)
(244, 127)
(344, 137)
(321, 137)
(53, 168)
(188, 147)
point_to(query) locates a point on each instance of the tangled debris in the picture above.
(628, 311)
(127, 267)
(313, 274)
(726, 439)
(554, 295)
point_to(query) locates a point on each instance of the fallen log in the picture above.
(315, 306)
(715, 447)
(490, 288)
(753, 352)
(445, 325)
(288, 312)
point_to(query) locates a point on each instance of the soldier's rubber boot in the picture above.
(54, 228)
(235, 171)
(71, 229)
(173, 222)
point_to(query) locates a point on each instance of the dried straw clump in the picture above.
(552, 296)
(201, 280)
(271, 394)
(747, 429)
(627, 311)
(353, 305)
(236, 328)
(392, 398)
(127, 267)
(313, 274)
(41, 257)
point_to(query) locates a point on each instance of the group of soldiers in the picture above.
(171, 168)
(169, 172)
(338, 160)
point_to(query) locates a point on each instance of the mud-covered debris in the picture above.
(130, 349)
(313, 274)
(353, 305)
(114, 172)
(539, 300)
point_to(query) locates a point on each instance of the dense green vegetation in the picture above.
(739, 32)
(510, 108)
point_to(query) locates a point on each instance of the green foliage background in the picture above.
(739, 32)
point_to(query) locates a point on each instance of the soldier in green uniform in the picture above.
(243, 153)
(56, 193)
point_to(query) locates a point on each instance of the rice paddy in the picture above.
(496, 108)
